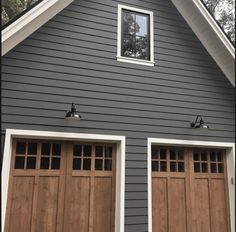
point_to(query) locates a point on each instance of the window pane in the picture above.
(20, 148)
(181, 167)
(196, 156)
(172, 155)
(135, 35)
(173, 166)
(204, 168)
(203, 156)
(98, 164)
(163, 166)
(76, 164)
(213, 156)
(196, 167)
(129, 24)
(46, 147)
(163, 154)
(220, 168)
(77, 150)
(142, 25)
(99, 151)
(87, 151)
(154, 152)
(142, 48)
(108, 164)
(154, 166)
(55, 163)
(129, 46)
(108, 152)
(44, 163)
(181, 155)
(213, 168)
(19, 162)
(86, 164)
(32, 148)
(219, 156)
(56, 149)
(31, 163)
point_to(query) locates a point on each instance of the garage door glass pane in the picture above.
(20, 162)
(32, 148)
(55, 163)
(77, 150)
(20, 147)
(56, 149)
(76, 164)
(86, 164)
(46, 149)
(31, 163)
(44, 163)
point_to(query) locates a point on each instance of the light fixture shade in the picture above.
(73, 114)
(199, 124)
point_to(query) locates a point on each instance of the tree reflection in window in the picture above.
(135, 35)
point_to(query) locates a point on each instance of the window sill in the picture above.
(135, 61)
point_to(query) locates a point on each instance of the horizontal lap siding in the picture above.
(72, 58)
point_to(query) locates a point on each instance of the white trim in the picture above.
(215, 27)
(132, 60)
(210, 35)
(120, 169)
(230, 153)
(30, 21)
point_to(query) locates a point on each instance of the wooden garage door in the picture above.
(61, 186)
(189, 190)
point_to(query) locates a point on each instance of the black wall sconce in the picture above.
(73, 114)
(199, 123)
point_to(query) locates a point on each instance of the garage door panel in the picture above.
(21, 204)
(177, 205)
(103, 212)
(218, 205)
(60, 186)
(200, 206)
(159, 207)
(78, 204)
(189, 190)
(47, 204)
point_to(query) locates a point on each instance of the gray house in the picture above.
(148, 89)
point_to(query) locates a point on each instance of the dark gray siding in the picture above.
(73, 59)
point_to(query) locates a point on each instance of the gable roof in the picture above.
(193, 11)
(210, 34)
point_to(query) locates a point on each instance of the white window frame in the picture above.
(230, 154)
(119, 33)
(30, 134)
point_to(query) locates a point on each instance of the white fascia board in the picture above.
(30, 22)
(210, 34)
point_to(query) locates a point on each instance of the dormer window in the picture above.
(135, 36)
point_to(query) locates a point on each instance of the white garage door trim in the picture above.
(31, 134)
(230, 154)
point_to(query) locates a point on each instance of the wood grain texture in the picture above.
(177, 205)
(77, 203)
(200, 208)
(47, 204)
(159, 205)
(21, 206)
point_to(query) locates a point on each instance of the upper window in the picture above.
(135, 36)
